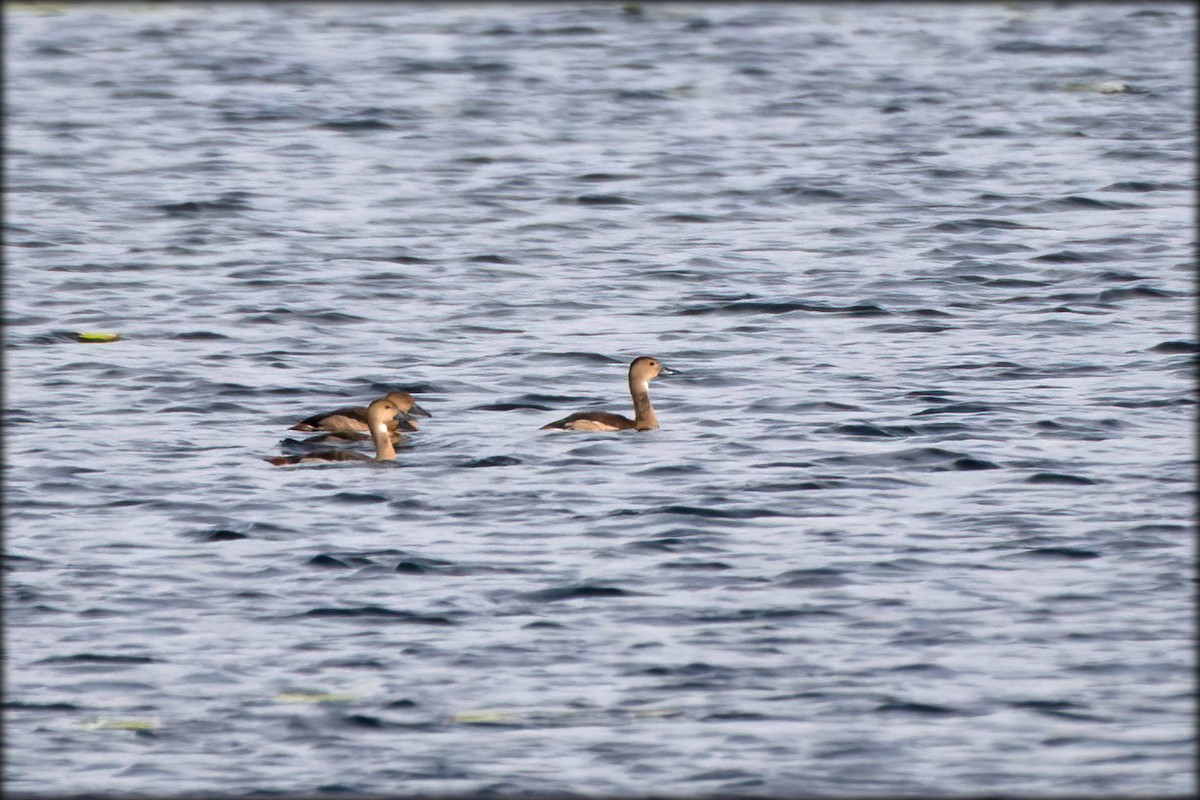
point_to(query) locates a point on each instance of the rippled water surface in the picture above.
(919, 515)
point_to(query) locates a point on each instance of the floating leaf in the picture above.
(654, 713)
(41, 8)
(94, 336)
(312, 697)
(484, 717)
(120, 725)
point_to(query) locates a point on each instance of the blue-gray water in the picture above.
(919, 515)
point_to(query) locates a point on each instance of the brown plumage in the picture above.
(354, 418)
(641, 372)
(377, 415)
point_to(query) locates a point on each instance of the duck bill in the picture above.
(417, 411)
(663, 369)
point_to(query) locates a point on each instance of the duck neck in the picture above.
(384, 449)
(643, 413)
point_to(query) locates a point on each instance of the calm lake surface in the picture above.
(919, 517)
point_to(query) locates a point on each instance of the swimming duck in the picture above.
(641, 372)
(354, 418)
(378, 414)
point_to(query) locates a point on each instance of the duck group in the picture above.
(386, 420)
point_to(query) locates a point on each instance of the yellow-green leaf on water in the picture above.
(95, 336)
(120, 725)
(37, 7)
(1103, 87)
(312, 697)
(484, 717)
(655, 713)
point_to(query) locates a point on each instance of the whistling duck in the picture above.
(378, 414)
(354, 418)
(641, 372)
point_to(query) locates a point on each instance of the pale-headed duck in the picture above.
(377, 415)
(641, 372)
(354, 418)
